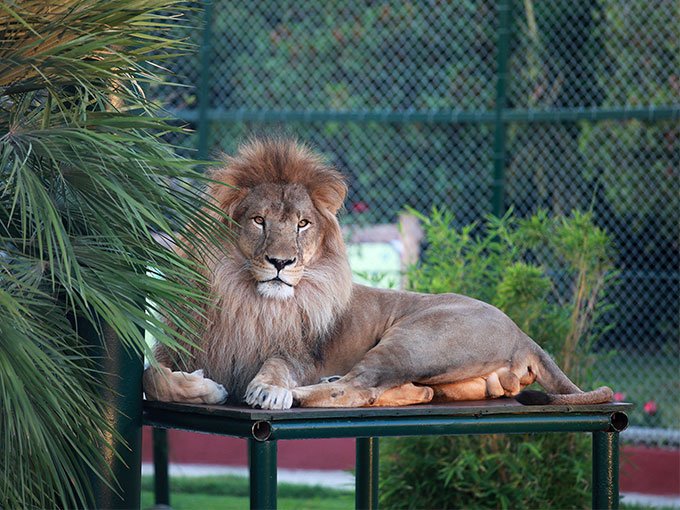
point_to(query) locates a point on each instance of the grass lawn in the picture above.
(232, 492)
(183, 501)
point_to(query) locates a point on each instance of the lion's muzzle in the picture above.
(280, 264)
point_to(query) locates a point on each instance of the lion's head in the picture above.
(284, 200)
(285, 280)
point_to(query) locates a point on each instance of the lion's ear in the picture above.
(228, 198)
(329, 192)
(226, 189)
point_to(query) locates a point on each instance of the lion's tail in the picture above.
(601, 395)
(560, 389)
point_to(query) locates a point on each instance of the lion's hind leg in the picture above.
(499, 383)
(332, 394)
(405, 395)
(346, 394)
(469, 389)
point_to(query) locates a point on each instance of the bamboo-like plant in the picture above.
(86, 180)
(549, 274)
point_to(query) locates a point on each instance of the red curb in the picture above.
(650, 470)
(193, 448)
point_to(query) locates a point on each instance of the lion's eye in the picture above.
(303, 224)
(258, 220)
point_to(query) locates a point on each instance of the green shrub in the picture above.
(548, 275)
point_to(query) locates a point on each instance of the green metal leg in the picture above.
(366, 496)
(161, 482)
(605, 470)
(262, 464)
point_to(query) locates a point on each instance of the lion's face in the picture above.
(280, 232)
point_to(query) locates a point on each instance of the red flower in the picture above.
(650, 408)
(359, 207)
(619, 396)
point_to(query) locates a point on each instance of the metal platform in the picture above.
(263, 428)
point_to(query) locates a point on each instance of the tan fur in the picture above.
(285, 312)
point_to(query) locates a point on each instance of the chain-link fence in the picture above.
(477, 106)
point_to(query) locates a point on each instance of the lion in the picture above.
(288, 327)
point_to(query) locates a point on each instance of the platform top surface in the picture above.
(500, 406)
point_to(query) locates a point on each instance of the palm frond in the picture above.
(86, 183)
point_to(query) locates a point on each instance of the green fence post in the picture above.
(500, 127)
(262, 466)
(367, 473)
(203, 92)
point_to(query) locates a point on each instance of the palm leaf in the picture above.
(86, 183)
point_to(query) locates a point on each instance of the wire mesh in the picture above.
(404, 98)
(353, 55)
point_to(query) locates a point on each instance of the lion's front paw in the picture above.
(193, 388)
(209, 392)
(268, 396)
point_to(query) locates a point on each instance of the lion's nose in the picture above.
(279, 264)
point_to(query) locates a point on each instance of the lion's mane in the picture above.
(243, 328)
